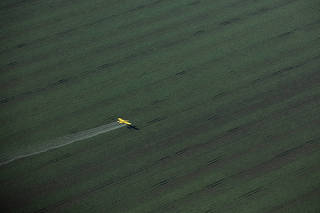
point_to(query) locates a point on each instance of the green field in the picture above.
(225, 93)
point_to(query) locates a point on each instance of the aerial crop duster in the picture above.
(126, 122)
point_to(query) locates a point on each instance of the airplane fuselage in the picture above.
(122, 121)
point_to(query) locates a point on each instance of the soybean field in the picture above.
(225, 93)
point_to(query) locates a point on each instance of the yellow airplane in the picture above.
(126, 122)
(122, 121)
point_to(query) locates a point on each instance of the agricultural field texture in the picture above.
(225, 95)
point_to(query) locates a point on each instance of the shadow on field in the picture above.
(132, 127)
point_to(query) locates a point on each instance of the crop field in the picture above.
(225, 93)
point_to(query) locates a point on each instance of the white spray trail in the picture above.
(68, 139)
